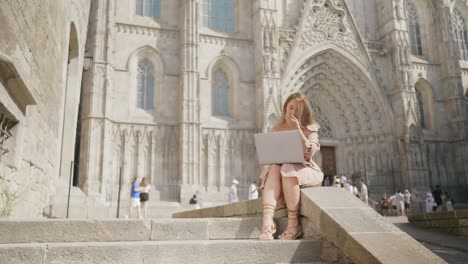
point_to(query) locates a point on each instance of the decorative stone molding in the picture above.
(16, 83)
(220, 148)
(376, 47)
(225, 41)
(324, 75)
(425, 67)
(148, 31)
(327, 21)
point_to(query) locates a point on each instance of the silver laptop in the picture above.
(279, 147)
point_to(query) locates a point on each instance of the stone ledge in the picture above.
(455, 222)
(203, 251)
(63, 230)
(358, 231)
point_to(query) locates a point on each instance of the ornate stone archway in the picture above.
(355, 121)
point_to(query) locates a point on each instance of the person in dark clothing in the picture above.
(193, 200)
(437, 193)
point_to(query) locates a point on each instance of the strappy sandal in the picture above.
(292, 232)
(268, 230)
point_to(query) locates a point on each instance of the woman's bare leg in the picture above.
(271, 193)
(292, 195)
(143, 209)
(272, 190)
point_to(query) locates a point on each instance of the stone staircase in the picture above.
(207, 240)
(338, 228)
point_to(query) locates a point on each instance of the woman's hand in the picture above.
(295, 121)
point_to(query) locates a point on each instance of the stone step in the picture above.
(62, 230)
(196, 251)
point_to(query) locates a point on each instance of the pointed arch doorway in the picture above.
(355, 134)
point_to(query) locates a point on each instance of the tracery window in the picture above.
(145, 84)
(219, 15)
(148, 8)
(459, 33)
(322, 119)
(414, 28)
(422, 120)
(220, 94)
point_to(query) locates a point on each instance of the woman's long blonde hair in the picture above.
(144, 182)
(305, 115)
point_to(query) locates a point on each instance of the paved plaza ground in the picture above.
(453, 249)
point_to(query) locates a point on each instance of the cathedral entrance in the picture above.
(328, 162)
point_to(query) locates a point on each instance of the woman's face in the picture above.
(291, 108)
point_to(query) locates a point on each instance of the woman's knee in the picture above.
(290, 181)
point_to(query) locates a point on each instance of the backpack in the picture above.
(385, 203)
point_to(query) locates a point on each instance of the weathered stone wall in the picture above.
(36, 36)
(455, 222)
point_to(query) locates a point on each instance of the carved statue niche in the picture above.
(266, 38)
(399, 9)
(274, 63)
(267, 63)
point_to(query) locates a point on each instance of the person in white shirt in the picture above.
(364, 195)
(233, 192)
(253, 191)
(343, 181)
(399, 198)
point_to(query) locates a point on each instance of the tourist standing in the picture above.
(399, 198)
(144, 195)
(135, 197)
(385, 205)
(407, 200)
(253, 191)
(364, 194)
(437, 194)
(233, 192)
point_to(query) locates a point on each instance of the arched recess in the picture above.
(359, 105)
(425, 11)
(230, 68)
(360, 118)
(459, 27)
(158, 66)
(466, 95)
(426, 104)
(69, 150)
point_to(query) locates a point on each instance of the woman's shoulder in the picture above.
(313, 127)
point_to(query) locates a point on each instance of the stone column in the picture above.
(453, 96)
(267, 61)
(96, 159)
(394, 28)
(190, 132)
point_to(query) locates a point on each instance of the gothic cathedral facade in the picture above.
(177, 89)
(173, 90)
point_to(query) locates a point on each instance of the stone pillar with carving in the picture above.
(96, 131)
(394, 28)
(268, 64)
(190, 132)
(453, 94)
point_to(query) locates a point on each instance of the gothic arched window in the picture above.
(220, 93)
(422, 119)
(459, 33)
(219, 15)
(145, 84)
(415, 31)
(148, 8)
